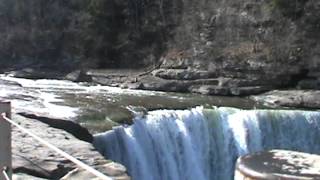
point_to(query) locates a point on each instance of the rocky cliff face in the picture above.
(237, 48)
(257, 43)
(212, 47)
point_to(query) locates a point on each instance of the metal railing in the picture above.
(5, 145)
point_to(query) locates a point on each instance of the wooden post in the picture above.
(5, 141)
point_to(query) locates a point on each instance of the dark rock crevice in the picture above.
(71, 127)
(296, 78)
(54, 175)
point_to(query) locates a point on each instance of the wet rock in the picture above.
(25, 73)
(69, 126)
(158, 84)
(211, 90)
(38, 73)
(207, 86)
(109, 81)
(115, 77)
(116, 171)
(78, 76)
(9, 83)
(129, 85)
(290, 98)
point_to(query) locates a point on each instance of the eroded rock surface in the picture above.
(291, 98)
(33, 158)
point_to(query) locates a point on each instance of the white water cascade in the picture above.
(204, 144)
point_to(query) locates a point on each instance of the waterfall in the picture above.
(204, 144)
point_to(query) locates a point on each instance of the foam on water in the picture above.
(68, 85)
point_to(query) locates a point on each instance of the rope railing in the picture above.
(57, 150)
(5, 175)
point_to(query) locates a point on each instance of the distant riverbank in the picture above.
(189, 82)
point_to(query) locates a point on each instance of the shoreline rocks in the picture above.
(186, 81)
(71, 127)
(259, 89)
(203, 82)
(307, 99)
(32, 158)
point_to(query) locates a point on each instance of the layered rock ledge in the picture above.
(33, 160)
(308, 99)
(259, 88)
(176, 80)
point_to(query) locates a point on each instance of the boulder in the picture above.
(108, 81)
(290, 98)
(210, 90)
(36, 73)
(78, 76)
(158, 84)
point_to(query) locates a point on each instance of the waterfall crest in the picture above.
(204, 144)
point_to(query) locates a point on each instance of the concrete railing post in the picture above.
(278, 164)
(5, 141)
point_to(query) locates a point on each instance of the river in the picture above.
(99, 108)
(170, 136)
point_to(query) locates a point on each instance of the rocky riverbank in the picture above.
(305, 95)
(32, 158)
(307, 99)
(32, 109)
(180, 80)
(265, 91)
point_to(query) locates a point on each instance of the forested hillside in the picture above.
(101, 33)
